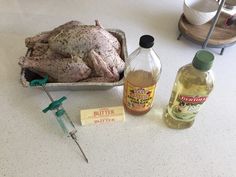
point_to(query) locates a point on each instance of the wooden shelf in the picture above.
(221, 37)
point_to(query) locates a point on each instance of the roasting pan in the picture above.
(27, 75)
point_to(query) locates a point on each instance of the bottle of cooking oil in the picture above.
(143, 68)
(193, 84)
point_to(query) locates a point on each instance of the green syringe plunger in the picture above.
(55, 104)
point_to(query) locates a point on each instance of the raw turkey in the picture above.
(74, 52)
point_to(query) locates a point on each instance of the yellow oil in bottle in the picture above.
(190, 91)
(139, 90)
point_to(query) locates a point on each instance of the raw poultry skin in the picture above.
(44, 36)
(57, 67)
(74, 52)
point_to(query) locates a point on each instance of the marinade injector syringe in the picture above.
(61, 115)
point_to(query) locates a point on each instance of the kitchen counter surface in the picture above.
(32, 144)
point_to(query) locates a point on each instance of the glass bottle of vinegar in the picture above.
(193, 84)
(142, 72)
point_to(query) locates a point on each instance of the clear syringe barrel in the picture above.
(65, 122)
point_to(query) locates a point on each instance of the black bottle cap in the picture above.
(146, 41)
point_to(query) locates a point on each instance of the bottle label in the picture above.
(185, 108)
(138, 98)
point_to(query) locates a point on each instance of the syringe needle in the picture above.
(75, 139)
(86, 159)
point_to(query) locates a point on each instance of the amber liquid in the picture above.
(189, 81)
(138, 78)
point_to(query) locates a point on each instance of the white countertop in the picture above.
(32, 144)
